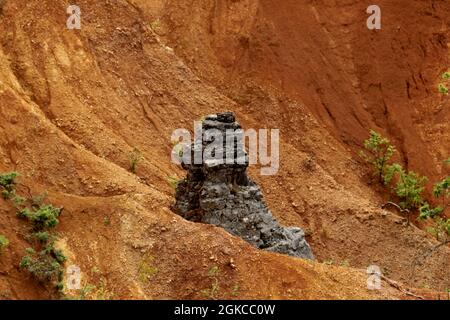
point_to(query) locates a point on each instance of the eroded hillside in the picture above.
(74, 104)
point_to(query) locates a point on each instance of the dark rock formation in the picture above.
(223, 195)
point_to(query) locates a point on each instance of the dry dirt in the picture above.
(75, 103)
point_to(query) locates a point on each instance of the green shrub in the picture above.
(426, 211)
(18, 201)
(45, 217)
(378, 153)
(43, 267)
(4, 242)
(441, 226)
(41, 236)
(443, 89)
(443, 86)
(7, 184)
(45, 264)
(442, 188)
(59, 255)
(409, 186)
(441, 229)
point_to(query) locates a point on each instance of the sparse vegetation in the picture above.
(409, 186)
(146, 269)
(213, 291)
(173, 181)
(44, 261)
(345, 263)
(92, 292)
(45, 265)
(7, 184)
(443, 89)
(45, 217)
(156, 25)
(378, 153)
(441, 224)
(135, 158)
(41, 236)
(4, 242)
(236, 290)
(444, 85)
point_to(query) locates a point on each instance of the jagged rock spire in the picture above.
(222, 194)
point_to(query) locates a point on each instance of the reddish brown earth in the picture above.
(74, 105)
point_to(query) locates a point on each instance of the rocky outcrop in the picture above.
(220, 193)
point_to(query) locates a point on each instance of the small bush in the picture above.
(442, 188)
(443, 89)
(378, 153)
(441, 226)
(4, 242)
(43, 267)
(7, 184)
(426, 211)
(409, 186)
(44, 264)
(443, 86)
(41, 236)
(45, 217)
(135, 157)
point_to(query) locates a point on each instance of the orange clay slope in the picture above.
(74, 104)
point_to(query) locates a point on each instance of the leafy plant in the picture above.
(44, 266)
(45, 262)
(443, 86)
(426, 211)
(7, 184)
(4, 242)
(409, 186)
(41, 236)
(441, 229)
(442, 188)
(135, 157)
(45, 217)
(441, 225)
(378, 153)
(443, 89)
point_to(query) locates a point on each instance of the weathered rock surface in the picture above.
(222, 194)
